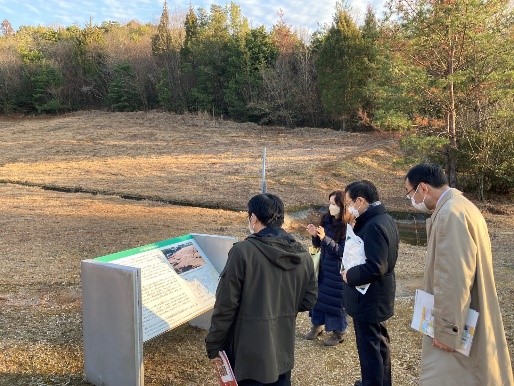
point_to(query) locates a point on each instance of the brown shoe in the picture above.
(334, 338)
(314, 332)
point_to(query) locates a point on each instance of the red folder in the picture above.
(226, 375)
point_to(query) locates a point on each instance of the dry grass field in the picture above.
(87, 184)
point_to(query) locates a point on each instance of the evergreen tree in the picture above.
(123, 95)
(44, 82)
(191, 29)
(187, 56)
(162, 40)
(91, 71)
(343, 68)
(167, 53)
(458, 57)
(214, 56)
(42, 79)
(260, 54)
(389, 102)
(370, 35)
(250, 50)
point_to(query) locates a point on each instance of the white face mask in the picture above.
(354, 212)
(334, 210)
(421, 205)
(250, 228)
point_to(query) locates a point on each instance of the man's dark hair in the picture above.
(364, 189)
(431, 174)
(268, 208)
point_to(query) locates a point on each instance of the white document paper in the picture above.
(178, 283)
(354, 254)
(423, 320)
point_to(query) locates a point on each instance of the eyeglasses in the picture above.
(414, 189)
(347, 203)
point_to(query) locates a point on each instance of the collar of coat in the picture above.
(451, 193)
(372, 211)
(270, 231)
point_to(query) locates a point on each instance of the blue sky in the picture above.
(298, 13)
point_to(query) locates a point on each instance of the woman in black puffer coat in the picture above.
(329, 313)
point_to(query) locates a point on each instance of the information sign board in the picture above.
(178, 282)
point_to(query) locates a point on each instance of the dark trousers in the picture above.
(283, 380)
(374, 354)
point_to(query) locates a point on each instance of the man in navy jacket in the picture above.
(369, 311)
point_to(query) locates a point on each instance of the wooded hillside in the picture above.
(439, 72)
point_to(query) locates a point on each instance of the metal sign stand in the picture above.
(112, 316)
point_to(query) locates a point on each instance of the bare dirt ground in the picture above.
(92, 183)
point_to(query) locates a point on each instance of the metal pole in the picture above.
(264, 187)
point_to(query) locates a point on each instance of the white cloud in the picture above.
(5, 9)
(35, 10)
(297, 13)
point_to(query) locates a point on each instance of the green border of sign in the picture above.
(144, 248)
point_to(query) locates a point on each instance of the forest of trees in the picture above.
(438, 72)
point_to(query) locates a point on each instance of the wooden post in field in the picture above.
(264, 186)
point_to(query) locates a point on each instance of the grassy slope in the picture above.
(184, 159)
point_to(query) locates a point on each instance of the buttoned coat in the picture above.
(330, 281)
(459, 273)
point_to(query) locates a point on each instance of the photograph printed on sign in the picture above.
(183, 257)
(190, 263)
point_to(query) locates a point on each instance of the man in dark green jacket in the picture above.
(268, 278)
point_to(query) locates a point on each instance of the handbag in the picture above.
(315, 255)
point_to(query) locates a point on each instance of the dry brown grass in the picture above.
(163, 159)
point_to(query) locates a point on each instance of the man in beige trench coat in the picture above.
(459, 273)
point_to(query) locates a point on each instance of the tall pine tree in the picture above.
(343, 69)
